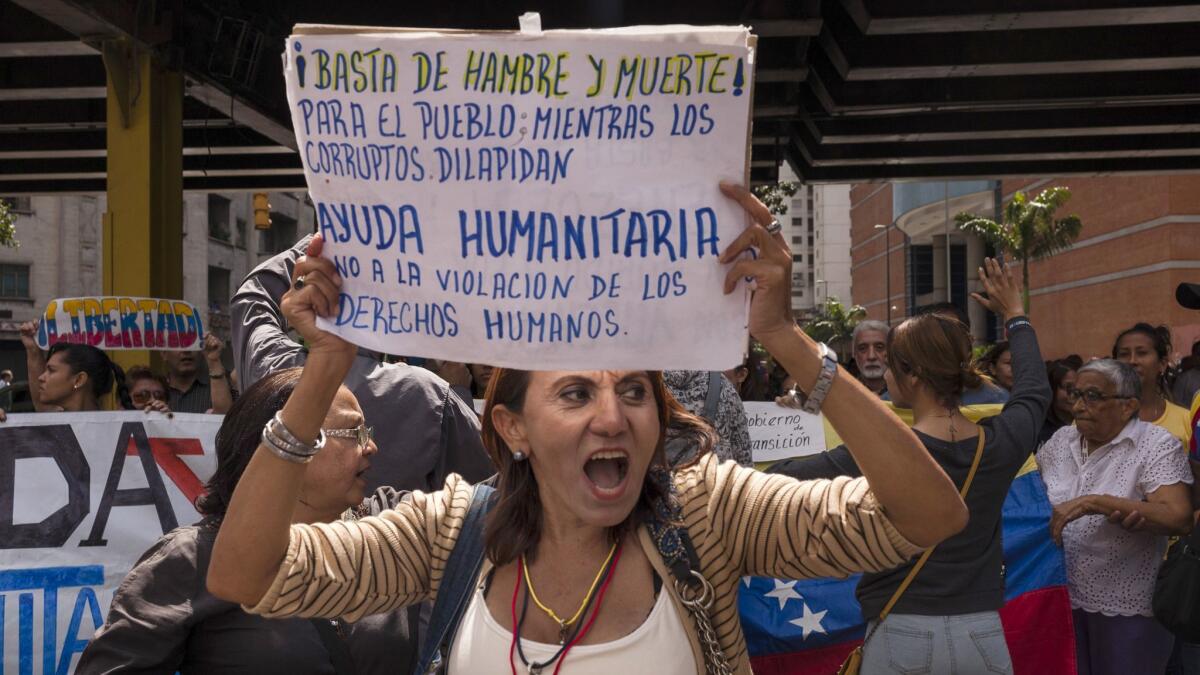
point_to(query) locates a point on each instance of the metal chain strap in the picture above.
(715, 662)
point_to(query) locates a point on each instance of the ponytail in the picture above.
(121, 392)
(935, 349)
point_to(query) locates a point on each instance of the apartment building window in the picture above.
(241, 233)
(218, 288)
(958, 275)
(218, 217)
(920, 267)
(280, 237)
(19, 205)
(14, 282)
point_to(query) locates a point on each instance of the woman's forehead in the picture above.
(551, 376)
(1092, 379)
(345, 406)
(1132, 340)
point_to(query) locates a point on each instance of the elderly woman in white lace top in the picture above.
(1119, 487)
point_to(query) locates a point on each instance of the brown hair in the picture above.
(514, 525)
(936, 350)
(239, 437)
(140, 372)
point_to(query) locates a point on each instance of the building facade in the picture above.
(60, 255)
(1140, 239)
(817, 227)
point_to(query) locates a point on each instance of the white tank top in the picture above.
(659, 646)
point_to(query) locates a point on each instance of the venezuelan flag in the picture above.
(809, 627)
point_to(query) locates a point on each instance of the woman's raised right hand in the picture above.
(317, 296)
(29, 335)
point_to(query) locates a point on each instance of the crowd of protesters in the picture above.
(606, 482)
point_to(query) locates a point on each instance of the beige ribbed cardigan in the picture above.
(741, 521)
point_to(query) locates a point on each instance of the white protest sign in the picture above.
(117, 323)
(82, 496)
(540, 200)
(778, 432)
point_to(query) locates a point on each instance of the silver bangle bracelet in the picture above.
(300, 450)
(271, 443)
(824, 382)
(285, 434)
(278, 437)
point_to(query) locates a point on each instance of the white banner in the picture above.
(532, 200)
(82, 496)
(777, 432)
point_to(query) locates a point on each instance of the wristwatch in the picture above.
(816, 396)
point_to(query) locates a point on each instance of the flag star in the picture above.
(747, 580)
(810, 622)
(783, 591)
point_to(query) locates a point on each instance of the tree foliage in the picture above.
(8, 226)
(776, 196)
(834, 323)
(1030, 231)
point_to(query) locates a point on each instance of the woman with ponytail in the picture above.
(1148, 349)
(77, 377)
(947, 619)
(71, 377)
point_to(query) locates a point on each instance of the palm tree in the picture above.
(1029, 231)
(834, 323)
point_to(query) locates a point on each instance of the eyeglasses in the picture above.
(144, 396)
(1091, 396)
(362, 434)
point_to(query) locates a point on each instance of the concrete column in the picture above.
(142, 247)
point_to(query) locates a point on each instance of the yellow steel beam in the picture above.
(143, 227)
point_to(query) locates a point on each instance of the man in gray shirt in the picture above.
(424, 431)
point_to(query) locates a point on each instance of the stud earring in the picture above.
(518, 456)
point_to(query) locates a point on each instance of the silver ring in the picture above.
(774, 227)
(298, 283)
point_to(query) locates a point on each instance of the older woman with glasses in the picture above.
(147, 390)
(1119, 487)
(164, 620)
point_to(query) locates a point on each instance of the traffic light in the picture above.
(262, 211)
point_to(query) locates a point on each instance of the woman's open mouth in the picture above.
(606, 470)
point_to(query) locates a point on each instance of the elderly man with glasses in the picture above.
(1120, 487)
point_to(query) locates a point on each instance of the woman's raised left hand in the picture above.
(770, 268)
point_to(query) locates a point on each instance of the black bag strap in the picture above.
(712, 402)
(458, 582)
(339, 653)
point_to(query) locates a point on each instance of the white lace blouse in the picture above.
(1110, 570)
